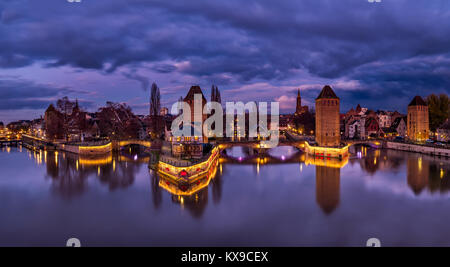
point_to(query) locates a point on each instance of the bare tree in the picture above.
(65, 106)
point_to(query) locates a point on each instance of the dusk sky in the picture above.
(377, 54)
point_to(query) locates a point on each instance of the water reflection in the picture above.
(70, 172)
(249, 196)
(424, 173)
(192, 196)
(328, 180)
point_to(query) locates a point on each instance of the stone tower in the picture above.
(418, 125)
(190, 100)
(327, 118)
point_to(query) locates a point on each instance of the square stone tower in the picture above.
(418, 125)
(327, 118)
(190, 100)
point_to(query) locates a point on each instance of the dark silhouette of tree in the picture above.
(116, 120)
(54, 123)
(65, 107)
(218, 97)
(439, 109)
(215, 94)
(155, 100)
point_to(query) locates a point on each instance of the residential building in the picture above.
(443, 132)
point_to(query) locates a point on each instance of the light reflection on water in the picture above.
(401, 198)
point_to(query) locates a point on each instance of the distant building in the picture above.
(372, 127)
(360, 111)
(355, 128)
(299, 110)
(327, 118)
(164, 111)
(395, 115)
(418, 120)
(398, 128)
(38, 127)
(384, 118)
(443, 132)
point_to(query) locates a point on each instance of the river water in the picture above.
(283, 199)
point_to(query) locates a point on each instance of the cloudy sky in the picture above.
(376, 54)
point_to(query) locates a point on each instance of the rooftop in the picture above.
(193, 91)
(417, 101)
(327, 92)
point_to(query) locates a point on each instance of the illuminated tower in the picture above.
(327, 118)
(298, 109)
(418, 125)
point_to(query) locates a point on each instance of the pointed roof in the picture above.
(50, 108)
(193, 91)
(397, 122)
(417, 101)
(327, 92)
(358, 108)
(298, 94)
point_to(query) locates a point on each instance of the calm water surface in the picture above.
(284, 199)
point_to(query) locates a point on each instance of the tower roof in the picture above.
(417, 101)
(327, 92)
(50, 108)
(193, 91)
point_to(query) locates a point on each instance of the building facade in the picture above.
(190, 100)
(328, 118)
(418, 121)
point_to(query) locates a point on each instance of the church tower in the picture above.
(298, 109)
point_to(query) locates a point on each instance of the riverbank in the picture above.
(428, 150)
(85, 149)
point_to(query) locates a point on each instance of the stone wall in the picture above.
(86, 150)
(435, 151)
